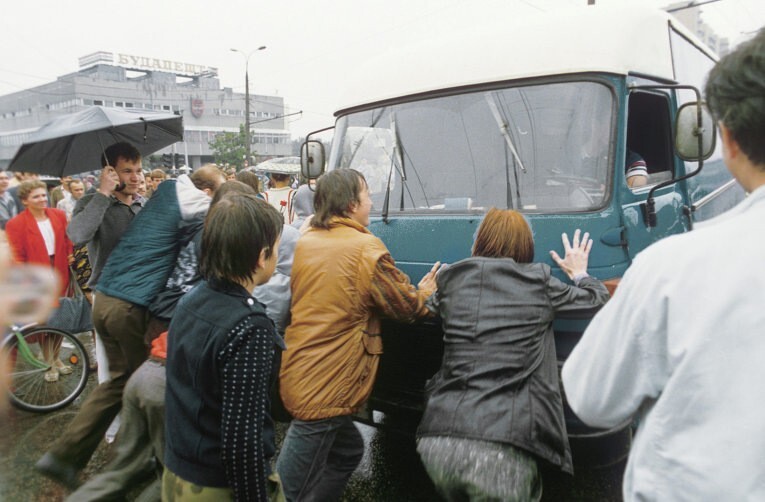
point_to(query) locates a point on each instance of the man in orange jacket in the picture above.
(343, 277)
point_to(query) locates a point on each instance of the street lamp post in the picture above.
(247, 96)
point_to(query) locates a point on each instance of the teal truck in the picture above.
(537, 114)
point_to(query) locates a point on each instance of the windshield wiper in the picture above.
(396, 161)
(398, 155)
(386, 201)
(398, 152)
(502, 123)
(503, 128)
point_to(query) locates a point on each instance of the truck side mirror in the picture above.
(312, 159)
(693, 122)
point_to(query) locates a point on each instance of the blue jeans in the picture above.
(318, 457)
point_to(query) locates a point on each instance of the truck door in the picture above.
(649, 137)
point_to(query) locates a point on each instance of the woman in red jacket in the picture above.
(38, 235)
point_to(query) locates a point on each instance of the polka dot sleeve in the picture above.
(245, 363)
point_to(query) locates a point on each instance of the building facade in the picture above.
(691, 17)
(127, 81)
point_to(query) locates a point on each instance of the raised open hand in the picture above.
(576, 254)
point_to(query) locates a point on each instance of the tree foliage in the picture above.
(229, 148)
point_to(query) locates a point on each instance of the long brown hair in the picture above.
(504, 234)
(335, 192)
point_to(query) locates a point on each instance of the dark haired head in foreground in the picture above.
(735, 92)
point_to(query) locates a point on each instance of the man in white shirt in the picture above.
(76, 190)
(280, 195)
(61, 192)
(681, 345)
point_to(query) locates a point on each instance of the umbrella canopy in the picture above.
(280, 165)
(74, 143)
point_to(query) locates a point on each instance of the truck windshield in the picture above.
(537, 148)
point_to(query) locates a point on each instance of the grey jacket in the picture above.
(99, 221)
(276, 294)
(8, 208)
(499, 377)
(302, 204)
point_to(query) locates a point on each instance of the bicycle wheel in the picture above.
(29, 355)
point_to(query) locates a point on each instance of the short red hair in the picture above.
(504, 234)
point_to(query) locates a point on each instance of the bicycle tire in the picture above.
(27, 388)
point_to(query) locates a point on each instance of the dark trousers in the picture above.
(318, 457)
(122, 326)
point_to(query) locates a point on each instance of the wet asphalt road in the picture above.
(389, 471)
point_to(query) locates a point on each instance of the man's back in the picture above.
(691, 357)
(331, 305)
(281, 199)
(140, 265)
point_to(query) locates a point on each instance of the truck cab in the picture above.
(540, 115)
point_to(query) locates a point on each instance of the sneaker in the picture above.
(62, 368)
(51, 375)
(60, 472)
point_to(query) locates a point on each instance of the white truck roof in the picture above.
(604, 38)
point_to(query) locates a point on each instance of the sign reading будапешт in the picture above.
(133, 62)
(146, 63)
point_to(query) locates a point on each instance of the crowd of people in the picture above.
(212, 290)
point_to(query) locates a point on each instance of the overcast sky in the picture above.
(311, 44)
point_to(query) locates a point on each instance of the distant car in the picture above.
(51, 181)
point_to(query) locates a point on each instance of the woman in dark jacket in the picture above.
(495, 406)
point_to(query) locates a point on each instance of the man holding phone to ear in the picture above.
(99, 219)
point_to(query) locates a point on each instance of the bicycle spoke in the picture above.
(62, 353)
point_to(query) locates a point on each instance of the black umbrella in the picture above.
(75, 143)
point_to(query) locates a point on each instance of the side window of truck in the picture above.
(649, 134)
